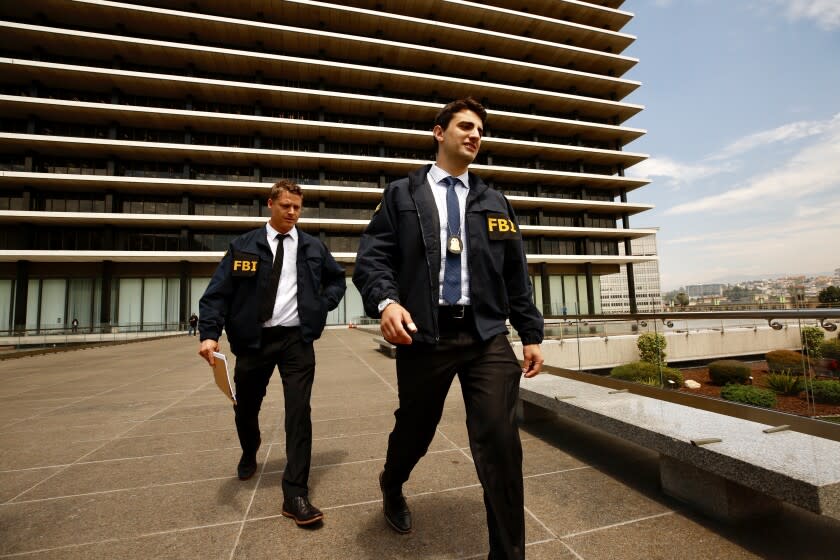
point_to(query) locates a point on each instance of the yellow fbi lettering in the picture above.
(501, 225)
(245, 266)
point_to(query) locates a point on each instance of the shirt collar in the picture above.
(439, 175)
(271, 233)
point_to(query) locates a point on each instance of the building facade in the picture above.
(615, 288)
(137, 139)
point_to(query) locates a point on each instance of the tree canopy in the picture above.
(830, 294)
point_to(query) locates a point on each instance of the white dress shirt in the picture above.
(285, 305)
(435, 177)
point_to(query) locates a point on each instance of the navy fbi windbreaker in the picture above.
(399, 258)
(232, 299)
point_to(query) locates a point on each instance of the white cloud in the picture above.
(815, 168)
(797, 244)
(674, 172)
(826, 13)
(785, 133)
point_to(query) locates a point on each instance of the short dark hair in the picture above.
(444, 116)
(284, 185)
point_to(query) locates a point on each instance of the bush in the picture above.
(723, 372)
(748, 394)
(812, 339)
(652, 348)
(785, 383)
(830, 349)
(827, 392)
(780, 361)
(642, 372)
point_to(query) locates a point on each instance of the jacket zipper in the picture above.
(429, 268)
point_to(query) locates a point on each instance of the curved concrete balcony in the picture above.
(216, 256)
(449, 73)
(94, 78)
(298, 129)
(409, 40)
(546, 21)
(155, 185)
(169, 152)
(82, 219)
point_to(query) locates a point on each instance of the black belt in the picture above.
(278, 331)
(454, 312)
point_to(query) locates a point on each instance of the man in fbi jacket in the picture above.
(272, 292)
(442, 264)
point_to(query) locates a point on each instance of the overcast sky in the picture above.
(742, 112)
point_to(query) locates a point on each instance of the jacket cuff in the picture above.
(530, 338)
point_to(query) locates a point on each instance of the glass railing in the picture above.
(787, 361)
(14, 341)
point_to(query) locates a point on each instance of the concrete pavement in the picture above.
(130, 452)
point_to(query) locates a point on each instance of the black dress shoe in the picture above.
(247, 466)
(299, 509)
(395, 508)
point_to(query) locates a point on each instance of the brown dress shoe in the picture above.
(395, 509)
(299, 509)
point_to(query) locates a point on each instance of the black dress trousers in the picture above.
(489, 373)
(284, 348)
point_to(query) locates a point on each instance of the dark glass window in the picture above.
(140, 204)
(11, 200)
(351, 180)
(13, 125)
(558, 246)
(222, 173)
(226, 207)
(150, 169)
(68, 239)
(299, 176)
(11, 163)
(208, 241)
(150, 135)
(69, 202)
(342, 243)
(12, 238)
(135, 240)
(559, 219)
(72, 166)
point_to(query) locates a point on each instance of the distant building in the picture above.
(615, 290)
(696, 291)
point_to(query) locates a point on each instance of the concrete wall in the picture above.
(607, 352)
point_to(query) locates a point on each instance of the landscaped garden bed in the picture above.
(796, 404)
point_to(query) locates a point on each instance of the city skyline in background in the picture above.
(743, 132)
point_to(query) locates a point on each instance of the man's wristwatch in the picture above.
(385, 303)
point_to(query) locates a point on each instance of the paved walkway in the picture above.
(129, 452)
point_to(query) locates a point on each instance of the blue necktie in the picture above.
(452, 270)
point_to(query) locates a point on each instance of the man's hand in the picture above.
(391, 324)
(207, 348)
(533, 360)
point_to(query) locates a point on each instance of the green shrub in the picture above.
(831, 349)
(780, 361)
(722, 372)
(827, 391)
(812, 338)
(641, 372)
(748, 394)
(652, 348)
(785, 383)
